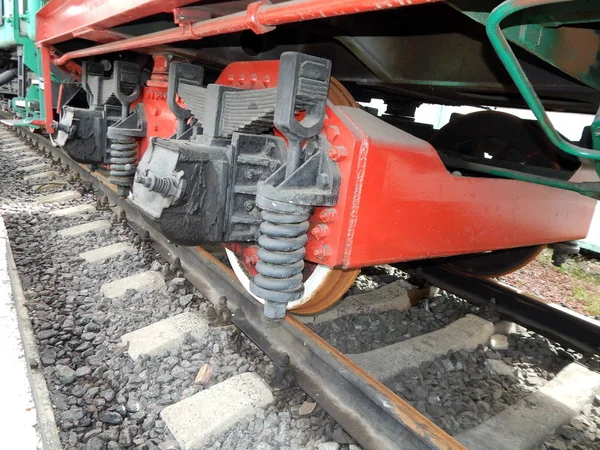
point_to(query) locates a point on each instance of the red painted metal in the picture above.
(399, 203)
(160, 121)
(259, 17)
(47, 78)
(61, 20)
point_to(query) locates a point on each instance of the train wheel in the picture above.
(497, 135)
(323, 286)
(496, 263)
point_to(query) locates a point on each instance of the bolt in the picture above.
(248, 205)
(269, 148)
(273, 165)
(249, 174)
(156, 112)
(241, 78)
(320, 231)
(253, 79)
(230, 78)
(266, 80)
(328, 215)
(333, 133)
(322, 252)
(338, 153)
(323, 180)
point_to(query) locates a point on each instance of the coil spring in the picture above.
(281, 259)
(122, 160)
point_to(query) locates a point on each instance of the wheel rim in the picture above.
(323, 286)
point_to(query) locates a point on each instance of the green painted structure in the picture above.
(17, 30)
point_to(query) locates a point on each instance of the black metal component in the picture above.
(181, 73)
(122, 156)
(219, 315)
(281, 375)
(82, 132)
(120, 89)
(552, 321)
(238, 110)
(224, 185)
(254, 159)
(85, 133)
(287, 198)
(197, 215)
(562, 251)
(172, 186)
(198, 192)
(495, 263)
(497, 137)
(303, 84)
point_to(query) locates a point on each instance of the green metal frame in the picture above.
(18, 29)
(574, 50)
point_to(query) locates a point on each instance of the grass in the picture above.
(586, 285)
(591, 300)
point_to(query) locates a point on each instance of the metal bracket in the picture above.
(180, 72)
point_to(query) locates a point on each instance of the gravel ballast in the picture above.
(102, 399)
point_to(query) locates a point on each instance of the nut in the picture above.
(338, 153)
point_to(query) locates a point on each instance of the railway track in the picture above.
(350, 388)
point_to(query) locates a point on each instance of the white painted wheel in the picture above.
(311, 285)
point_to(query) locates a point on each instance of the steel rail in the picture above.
(369, 411)
(550, 320)
(260, 17)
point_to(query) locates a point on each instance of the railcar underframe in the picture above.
(236, 123)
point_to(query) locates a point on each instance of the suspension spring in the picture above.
(122, 160)
(281, 256)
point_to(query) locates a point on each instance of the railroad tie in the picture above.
(90, 227)
(529, 422)
(73, 210)
(41, 175)
(387, 362)
(198, 419)
(34, 167)
(165, 336)
(59, 197)
(148, 281)
(109, 251)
